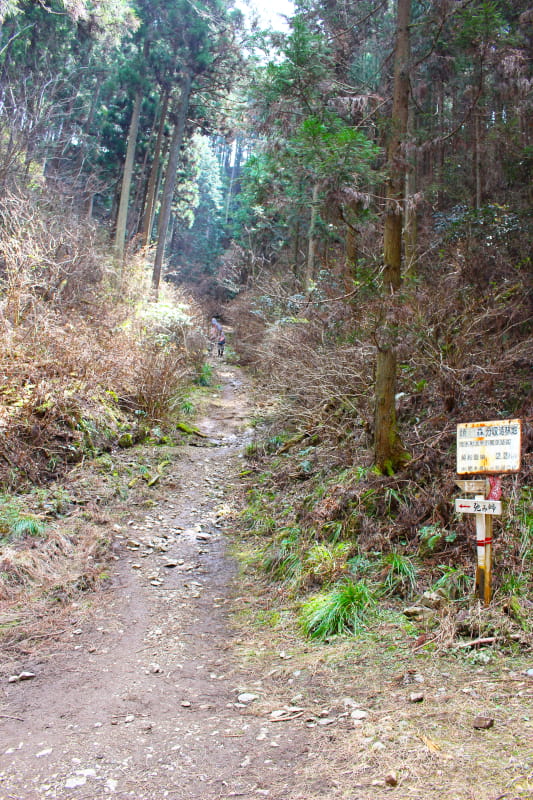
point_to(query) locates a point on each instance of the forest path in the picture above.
(142, 700)
(181, 681)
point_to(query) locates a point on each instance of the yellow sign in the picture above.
(489, 447)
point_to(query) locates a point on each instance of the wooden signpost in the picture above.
(486, 448)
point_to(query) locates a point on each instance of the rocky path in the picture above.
(183, 683)
(146, 699)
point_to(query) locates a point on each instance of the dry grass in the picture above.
(51, 581)
(84, 357)
(62, 564)
(464, 353)
(430, 747)
(48, 586)
(81, 346)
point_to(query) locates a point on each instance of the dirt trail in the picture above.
(171, 686)
(143, 700)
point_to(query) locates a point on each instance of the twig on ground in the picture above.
(476, 642)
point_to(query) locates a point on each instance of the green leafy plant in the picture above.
(324, 563)
(251, 450)
(433, 537)
(306, 466)
(27, 526)
(524, 513)
(360, 564)
(256, 515)
(513, 585)
(344, 609)
(274, 443)
(23, 526)
(15, 522)
(333, 531)
(393, 499)
(205, 375)
(430, 537)
(516, 611)
(453, 582)
(282, 559)
(400, 575)
(187, 407)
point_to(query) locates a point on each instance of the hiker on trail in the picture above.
(214, 333)
(221, 342)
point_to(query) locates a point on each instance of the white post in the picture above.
(480, 542)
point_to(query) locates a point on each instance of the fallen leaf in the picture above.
(430, 744)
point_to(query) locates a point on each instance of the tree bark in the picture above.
(170, 182)
(151, 192)
(477, 161)
(311, 246)
(411, 216)
(122, 216)
(234, 173)
(389, 452)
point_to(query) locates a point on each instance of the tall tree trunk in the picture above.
(296, 247)
(477, 161)
(311, 241)
(229, 190)
(122, 217)
(389, 452)
(411, 216)
(151, 192)
(233, 177)
(170, 182)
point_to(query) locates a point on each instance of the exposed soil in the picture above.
(181, 682)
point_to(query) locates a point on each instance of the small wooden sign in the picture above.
(467, 506)
(484, 447)
(472, 487)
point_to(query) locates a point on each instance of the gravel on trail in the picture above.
(146, 699)
(172, 683)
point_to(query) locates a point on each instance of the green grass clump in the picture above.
(187, 407)
(282, 559)
(325, 562)
(453, 582)
(401, 575)
(27, 526)
(256, 516)
(205, 375)
(15, 522)
(344, 609)
(513, 585)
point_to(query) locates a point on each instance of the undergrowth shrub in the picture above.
(464, 353)
(162, 378)
(399, 575)
(344, 609)
(16, 522)
(48, 254)
(82, 350)
(326, 563)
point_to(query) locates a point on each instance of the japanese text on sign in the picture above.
(464, 506)
(489, 446)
